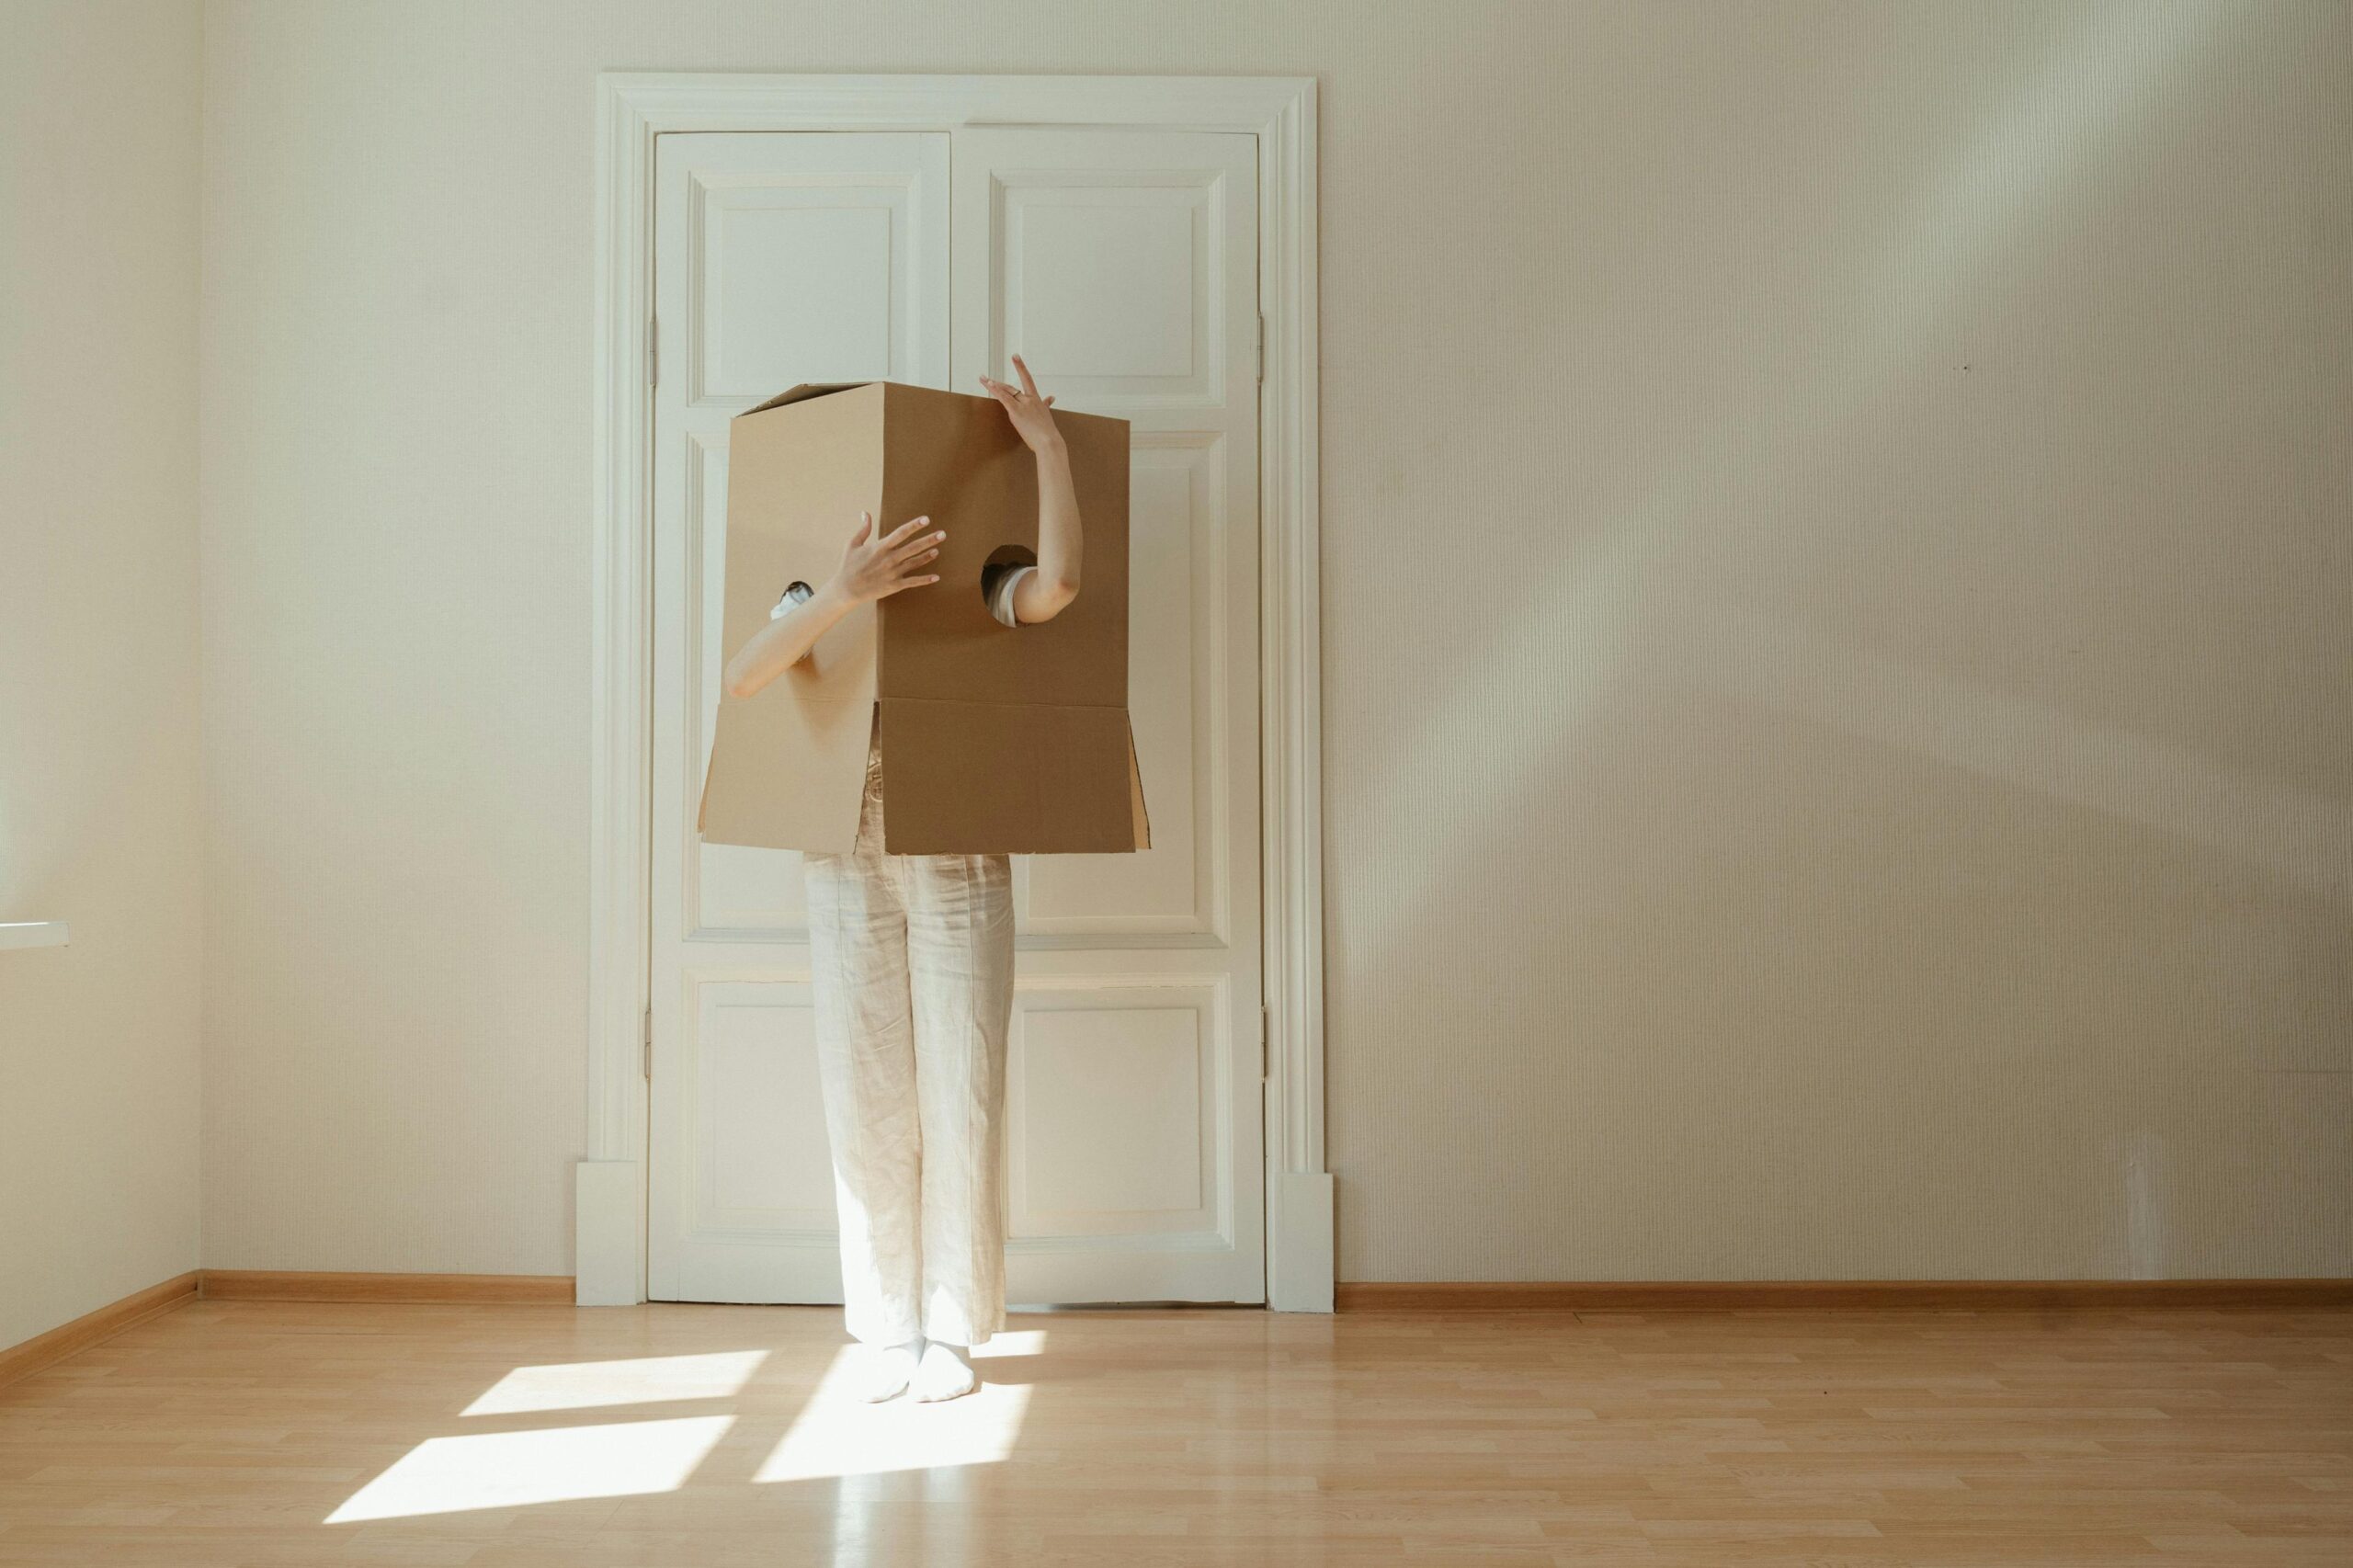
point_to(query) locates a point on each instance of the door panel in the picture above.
(1112, 1117)
(1122, 265)
(761, 1164)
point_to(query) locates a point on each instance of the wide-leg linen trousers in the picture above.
(911, 964)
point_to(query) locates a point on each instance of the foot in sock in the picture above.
(945, 1372)
(889, 1368)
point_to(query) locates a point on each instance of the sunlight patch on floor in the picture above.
(838, 1434)
(646, 1379)
(508, 1469)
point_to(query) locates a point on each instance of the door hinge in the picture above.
(654, 351)
(646, 1038)
(1262, 348)
(1263, 1032)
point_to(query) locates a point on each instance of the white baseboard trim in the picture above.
(608, 1268)
(1300, 1263)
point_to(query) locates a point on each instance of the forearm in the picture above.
(786, 641)
(1043, 593)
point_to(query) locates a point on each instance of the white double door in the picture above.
(1122, 266)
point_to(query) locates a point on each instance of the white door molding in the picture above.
(633, 109)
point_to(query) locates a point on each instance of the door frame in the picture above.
(633, 108)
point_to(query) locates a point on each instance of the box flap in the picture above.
(1009, 778)
(786, 774)
(800, 391)
(1136, 791)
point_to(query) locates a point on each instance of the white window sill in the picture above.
(32, 934)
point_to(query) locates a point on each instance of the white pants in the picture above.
(911, 960)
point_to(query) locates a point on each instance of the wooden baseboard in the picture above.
(47, 1349)
(260, 1285)
(1678, 1295)
(456, 1290)
(1364, 1296)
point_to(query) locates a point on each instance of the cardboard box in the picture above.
(995, 739)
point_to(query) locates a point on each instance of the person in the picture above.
(910, 958)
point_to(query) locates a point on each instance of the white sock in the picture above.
(890, 1367)
(945, 1372)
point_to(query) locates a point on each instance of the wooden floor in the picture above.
(242, 1432)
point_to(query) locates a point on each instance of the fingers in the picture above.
(895, 552)
(1050, 403)
(1029, 387)
(865, 527)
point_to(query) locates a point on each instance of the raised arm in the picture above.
(870, 569)
(1047, 592)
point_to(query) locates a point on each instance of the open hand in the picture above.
(875, 568)
(1032, 416)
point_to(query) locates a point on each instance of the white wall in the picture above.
(1836, 562)
(100, 788)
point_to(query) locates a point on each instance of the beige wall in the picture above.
(1837, 570)
(99, 790)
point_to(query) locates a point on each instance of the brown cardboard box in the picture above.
(995, 739)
